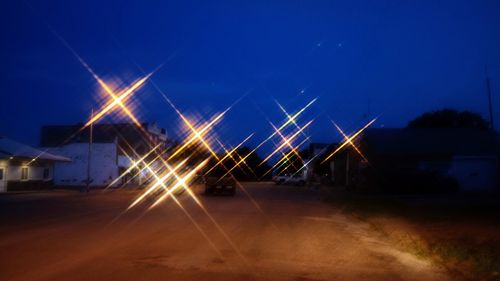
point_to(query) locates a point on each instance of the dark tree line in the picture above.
(449, 118)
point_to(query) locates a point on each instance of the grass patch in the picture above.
(472, 258)
(483, 259)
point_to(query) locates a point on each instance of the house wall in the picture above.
(464, 173)
(404, 173)
(35, 172)
(103, 165)
(35, 180)
(124, 162)
(475, 173)
(3, 179)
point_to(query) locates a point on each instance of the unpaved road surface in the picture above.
(284, 233)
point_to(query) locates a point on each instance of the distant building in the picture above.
(25, 167)
(113, 150)
(313, 155)
(316, 149)
(423, 159)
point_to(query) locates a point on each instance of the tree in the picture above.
(449, 118)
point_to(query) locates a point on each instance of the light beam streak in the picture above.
(179, 183)
(346, 142)
(290, 120)
(229, 154)
(198, 134)
(285, 157)
(169, 192)
(289, 116)
(159, 181)
(133, 166)
(346, 138)
(118, 100)
(289, 139)
(285, 140)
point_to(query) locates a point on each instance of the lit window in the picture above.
(24, 173)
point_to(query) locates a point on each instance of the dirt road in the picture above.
(286, 233)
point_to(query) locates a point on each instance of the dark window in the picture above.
(1, 174)
(46, 173)
(24, 173)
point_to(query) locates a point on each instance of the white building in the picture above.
(104, 165)
(25, 167)
(114, 148)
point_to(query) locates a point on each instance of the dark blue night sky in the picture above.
(393, 59)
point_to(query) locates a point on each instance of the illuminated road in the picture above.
(65, 235)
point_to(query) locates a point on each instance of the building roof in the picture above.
(10, 148)
(56, 135)
(431, 141)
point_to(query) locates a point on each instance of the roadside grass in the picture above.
(460, 233)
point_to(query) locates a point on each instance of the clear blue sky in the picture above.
(395, 59)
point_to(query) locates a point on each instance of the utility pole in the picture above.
(490, 106)
(89, 156)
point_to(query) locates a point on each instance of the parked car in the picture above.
(217, 185)
(298, 179)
